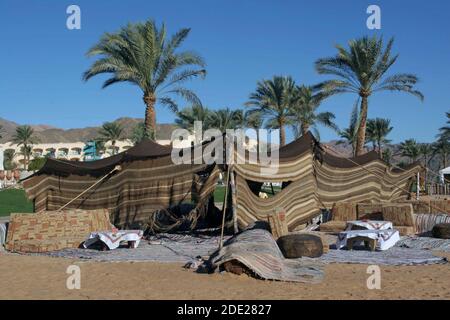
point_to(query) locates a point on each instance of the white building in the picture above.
(74, 150)
(64, 150)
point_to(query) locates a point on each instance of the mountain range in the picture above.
(50, 134)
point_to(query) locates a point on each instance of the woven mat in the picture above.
(426, 243)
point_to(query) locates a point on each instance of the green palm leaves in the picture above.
(24, 137)
(361, 69)
(274, 100)
(304, 111)
(143, 55)
(411, 149)
(280, 102)
(377, 132)
(445, 131)
(111, 131)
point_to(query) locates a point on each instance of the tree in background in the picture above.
(187, 116)
(377, 132)
(445, 131)
(442, 148)
(139, 133)
(254, 120)
(143, 55)
(274, 98)
(111, 131)
(361, 70)
(410, 148)
(24, 137)
(1, 130)
(348, 135)
(226, 118)
(8, 159)
(387, 156)
(304, 111)
(426, 152)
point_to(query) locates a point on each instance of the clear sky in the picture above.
(41, 61)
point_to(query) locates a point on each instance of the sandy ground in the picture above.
(27, 277)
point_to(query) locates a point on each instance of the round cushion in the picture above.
(441, 230)
(300, 245)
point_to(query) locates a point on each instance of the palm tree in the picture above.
(349, 134)
(187, 117)
(304, 111)
(111, 131)
(377, 131)
(99, 147)
(226, 118)
(142, 54)
(254, 120)
(8, 160)
(410, 148)
(387, 156)
(445, 131)
(139, 133)
(274, 99)
(24, 137)
(370, 134)
(361, 70)
(426, 151)
(442, 148)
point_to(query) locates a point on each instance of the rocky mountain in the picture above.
(49, 134)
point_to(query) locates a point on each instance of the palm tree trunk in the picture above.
(361, 136)
(380, 152)
(150, 116)
(282, 135)
(305, 129)
(257, 139)
(25, 156)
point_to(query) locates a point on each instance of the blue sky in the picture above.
(242, 42)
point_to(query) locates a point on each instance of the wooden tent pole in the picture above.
(116, 168)
(233, 201)
(224, 208)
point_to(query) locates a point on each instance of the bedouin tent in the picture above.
(139, 195)
(313, 179)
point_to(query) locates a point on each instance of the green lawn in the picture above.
(14, 200)
(219, 193)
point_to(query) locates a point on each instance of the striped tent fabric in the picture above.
(426, 221)
(141, 193)
(258, 251)
(316, 180)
